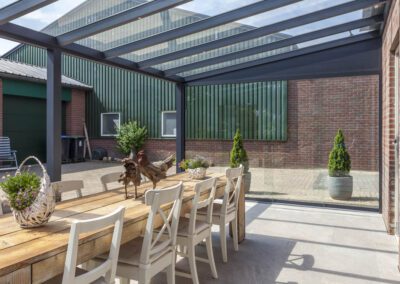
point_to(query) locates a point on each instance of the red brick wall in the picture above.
(75, 113)
(389, 45)
(1, 107)
(316, 109)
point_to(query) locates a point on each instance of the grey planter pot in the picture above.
(247, 181)
(340, 188)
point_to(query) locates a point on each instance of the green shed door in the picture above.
(25, 123)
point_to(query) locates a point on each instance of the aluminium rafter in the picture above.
(20, 8)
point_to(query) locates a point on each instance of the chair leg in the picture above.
(222, 231)
(171, 273)
(210, 255)
(123, 280)
(235, 234)
(192, 263)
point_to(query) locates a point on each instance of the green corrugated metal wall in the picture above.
(258, 109)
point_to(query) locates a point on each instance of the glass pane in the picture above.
(263, 19)
(276, 52)
(264, 40)
(6, 3)
(169, 124)
(110, 123)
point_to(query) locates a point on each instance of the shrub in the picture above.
(21, 190)
(130, 136)
(238, 154)
(197, 162)
(339, 159)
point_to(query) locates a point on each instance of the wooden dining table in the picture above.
(38, 254)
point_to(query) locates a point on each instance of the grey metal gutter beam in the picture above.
(278, 44)
(24, 35)
(262, 31)
(144, 10)
(386, 11)
(218, 20)
(291, 54)
(20, 8)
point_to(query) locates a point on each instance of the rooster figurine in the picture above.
(154, 171)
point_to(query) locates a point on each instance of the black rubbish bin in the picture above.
(77, 149)
(66, 149)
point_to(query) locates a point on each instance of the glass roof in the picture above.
(250, 37)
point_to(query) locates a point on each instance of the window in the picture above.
(110, 122)
(168, 124)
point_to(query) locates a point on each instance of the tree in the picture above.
(238, 153)
(339, 159)
(131, 137)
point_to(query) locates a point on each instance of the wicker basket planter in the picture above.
(39, 212)
(197, 173)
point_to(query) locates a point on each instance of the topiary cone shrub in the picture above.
(238, 153)
(131, 137)
(339, 159)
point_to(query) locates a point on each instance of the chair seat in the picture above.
(216, 210)
(183, 227)
(79, 271)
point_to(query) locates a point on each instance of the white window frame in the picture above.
(162, 124)
(101, 123)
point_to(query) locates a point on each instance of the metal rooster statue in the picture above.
(140, 165)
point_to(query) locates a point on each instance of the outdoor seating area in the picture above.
(199, 141)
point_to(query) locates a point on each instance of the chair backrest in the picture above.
(232, 189)
(5, 147)
(108, 268)
(109, 178)
(208, 186)
(67, 186)
(162, 243)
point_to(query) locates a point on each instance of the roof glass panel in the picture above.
(223, 31)
(279, 51)
(182, 15)
(262, 41)
(65, 15)
(6, 3)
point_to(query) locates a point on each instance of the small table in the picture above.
(36, 255)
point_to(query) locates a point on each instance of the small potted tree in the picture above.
(131, 138)
(238, 156)
(196, 168)
(340, 183)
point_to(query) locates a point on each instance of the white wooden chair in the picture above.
(61, 187)
(7, 155)
(109, 178)
(143, 258)
(192, 232)
(105, 272)
(226, 212)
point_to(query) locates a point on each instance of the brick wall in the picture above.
(75, 113)
(316, 109)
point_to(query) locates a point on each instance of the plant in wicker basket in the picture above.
(196, 168)
(31, 197)
(21, 190)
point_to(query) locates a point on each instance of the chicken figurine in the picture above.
(154, 171)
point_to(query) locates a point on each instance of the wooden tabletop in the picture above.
(35, 255)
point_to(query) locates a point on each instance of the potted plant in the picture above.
(31, 198)
(196, 168)
(131, 138)
(340, 183)
(238, 156)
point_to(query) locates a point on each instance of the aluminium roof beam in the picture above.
(218, 20)
(263, 31)
(277, 44)
(288, 55)
(25, 35)
(130, 15)
(20, 8)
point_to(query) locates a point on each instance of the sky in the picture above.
(44, 16)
